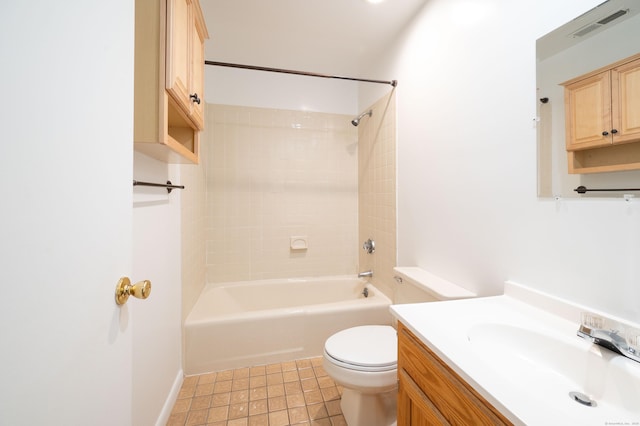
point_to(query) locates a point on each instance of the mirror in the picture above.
(606, 34)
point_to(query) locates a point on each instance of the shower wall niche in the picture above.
(273, 174)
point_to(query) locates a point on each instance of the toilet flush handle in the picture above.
(139, 290)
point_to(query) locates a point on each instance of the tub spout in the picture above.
(365, 274)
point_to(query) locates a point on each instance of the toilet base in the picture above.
(361, 409)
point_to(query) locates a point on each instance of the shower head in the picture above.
(356, 121)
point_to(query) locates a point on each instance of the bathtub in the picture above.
(249, 323)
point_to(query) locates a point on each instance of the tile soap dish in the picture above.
(299, 243)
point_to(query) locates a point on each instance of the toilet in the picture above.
(364, 359)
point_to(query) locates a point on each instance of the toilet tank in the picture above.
(415, 285)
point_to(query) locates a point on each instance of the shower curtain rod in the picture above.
(394, 83)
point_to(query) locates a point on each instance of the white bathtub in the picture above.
(250, 323)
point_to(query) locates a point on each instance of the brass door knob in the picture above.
(139, 290)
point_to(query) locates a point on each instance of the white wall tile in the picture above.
(284, 173)
(377, 145)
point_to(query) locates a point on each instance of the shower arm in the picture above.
(356, 120)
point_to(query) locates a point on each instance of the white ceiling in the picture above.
(323, 36)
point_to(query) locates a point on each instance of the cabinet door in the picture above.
(588, 112)
(178, 55)
(625, 81)
(414, 407)
(197, 73)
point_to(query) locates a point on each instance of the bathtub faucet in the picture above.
(365, 274)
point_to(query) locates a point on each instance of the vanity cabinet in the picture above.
(169, 79)
(602, 118)
(431, 393)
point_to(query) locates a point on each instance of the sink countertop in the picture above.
(473, 336)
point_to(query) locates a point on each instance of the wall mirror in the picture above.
(608, 33)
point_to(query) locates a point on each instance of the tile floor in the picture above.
(291, 393)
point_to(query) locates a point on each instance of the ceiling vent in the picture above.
(598, 24)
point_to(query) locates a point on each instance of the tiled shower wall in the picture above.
(193, 214)
(257, 205)
(273, 174)
(377, 191)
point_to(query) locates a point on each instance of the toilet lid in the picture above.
(369, 347)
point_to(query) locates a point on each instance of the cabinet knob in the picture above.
(605, 133)
(614, 131)
(195, 98)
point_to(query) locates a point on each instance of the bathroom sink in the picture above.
(521, 353)
(559, 366)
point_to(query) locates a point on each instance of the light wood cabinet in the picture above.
(588, 112)
(186, 32)
(602, 118)
(431, 393)
(168, 84)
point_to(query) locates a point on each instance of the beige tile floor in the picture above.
(291, 393)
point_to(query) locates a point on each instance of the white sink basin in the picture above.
(556, 366)
(520, 351)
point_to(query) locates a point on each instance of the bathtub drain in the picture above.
(582, 399)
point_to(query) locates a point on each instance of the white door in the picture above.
(65, 211)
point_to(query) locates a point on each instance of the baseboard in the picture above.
(163, 418)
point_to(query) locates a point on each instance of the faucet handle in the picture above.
(369, 246)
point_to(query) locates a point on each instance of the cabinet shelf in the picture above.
(605, 159)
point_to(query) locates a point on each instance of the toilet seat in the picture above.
(365, 348)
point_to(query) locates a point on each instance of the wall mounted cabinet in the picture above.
(430, 392)
(186, 32)
(169, 79)
(602, 118)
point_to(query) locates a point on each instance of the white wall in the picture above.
(157, 321)
(232, 86)
(467, 201)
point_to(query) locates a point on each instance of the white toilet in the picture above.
(364, 359)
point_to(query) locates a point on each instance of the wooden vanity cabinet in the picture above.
(431, 393)
(602, 118)
(168, 82)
